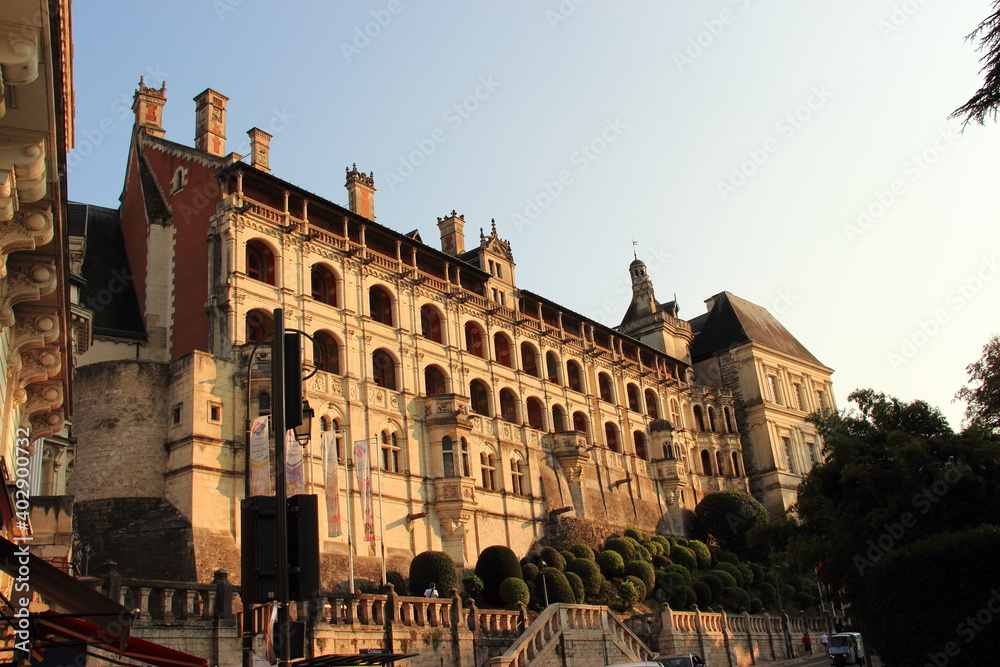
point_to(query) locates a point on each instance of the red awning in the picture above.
(77, 630)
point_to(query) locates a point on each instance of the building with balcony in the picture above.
(489, 410)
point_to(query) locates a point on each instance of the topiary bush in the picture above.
(735, 598)
(725, 517)
(702, 553)
(397, 581)
(552, 558)
(642, 553)
(432, 566)
(728, 557)
(728, 580)
(768, 593)
(582, 551)
(680, 541)
(495, 564)
(654, 548)
(681, 570)
(589, 572)
(472, 586)
(553, 582)
(756, 606)
(623, 546)
(663, 541)
(733, 570)
(634, 533)
(684, 556)
(643, 571)
(643, 591)
(661, 561)
(757, 573)
(704, 594)
(514, 590)
(529, 571)
(576, 583)
(715, 584)
(567, 556)
(628, 594)
(611, 563)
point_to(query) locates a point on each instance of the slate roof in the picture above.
(670, 308)
(733, 321)
(110, 288)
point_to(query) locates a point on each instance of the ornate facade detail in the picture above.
(27, 230)
(22, 173)
(27, 280)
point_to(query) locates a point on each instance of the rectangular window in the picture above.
(797, 391)
(788, 454)
(175, 414)
(215, 413)
(772, 388)
(499, 270)
(820, 400)
(811, 446)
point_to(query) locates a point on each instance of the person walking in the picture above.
(824, 641)
(431, 591)
(807, 645)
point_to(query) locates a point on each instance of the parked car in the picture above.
(688, 660)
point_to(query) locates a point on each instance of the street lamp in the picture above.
(545, 587)
(303, 432)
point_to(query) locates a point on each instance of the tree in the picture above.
(725, 518)
(986, 101)
(982, 396)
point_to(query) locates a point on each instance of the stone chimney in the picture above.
(260, 149)
(210, 123)
(452, 236)
(361, 192)
(147, 103)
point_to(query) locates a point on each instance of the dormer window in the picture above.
(179, 180)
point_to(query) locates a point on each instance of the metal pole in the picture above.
(281, 501)
(349, 448)
(381, 519)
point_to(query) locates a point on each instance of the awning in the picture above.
(353, 659)
(63, 591)
(79, 631)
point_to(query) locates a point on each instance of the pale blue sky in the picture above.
(736, 141)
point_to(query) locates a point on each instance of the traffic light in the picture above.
(293, 380)
(303, 547)
(259, 572)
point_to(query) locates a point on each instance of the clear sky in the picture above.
(795, 153)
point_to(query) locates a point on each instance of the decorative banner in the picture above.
(260, 461)
(331, 470)
(272, 620)
(294, 465)
(363, 467)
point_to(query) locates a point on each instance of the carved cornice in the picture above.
(26, 231)
(22, 173)
(26, 281)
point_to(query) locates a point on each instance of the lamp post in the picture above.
(545, 587)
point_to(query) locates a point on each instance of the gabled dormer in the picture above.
(496, 258)
(653, 323)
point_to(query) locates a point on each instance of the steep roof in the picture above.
(733, 321)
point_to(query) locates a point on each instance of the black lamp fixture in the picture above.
(303, 431)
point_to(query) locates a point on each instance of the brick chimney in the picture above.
(260, 149)
(147, 103)
(210, 123)
(452, 234)
(361, 192)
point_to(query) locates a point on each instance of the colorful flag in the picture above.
(260, 461)
(294, 465)
(331, 469)
(363, 468)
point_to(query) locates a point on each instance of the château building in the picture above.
(491, 411)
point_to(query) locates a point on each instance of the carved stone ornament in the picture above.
(26, 231)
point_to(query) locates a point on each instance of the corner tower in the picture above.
(653, 323)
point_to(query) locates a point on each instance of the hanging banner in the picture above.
(260, 462)
(364, 471)
(294, 465)
(331, 469)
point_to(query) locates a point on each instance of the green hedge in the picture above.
(589, 572)
(495, 564)
(432, 566)
(611, 564)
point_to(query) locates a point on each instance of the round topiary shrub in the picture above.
(644, 571)
(641, 553)
(702, 553)
(622, 546)
(664, 542)
(654, 548)
(735, 599)
(529, 571)
(671, 584)
(757, 573)
(589, 572)
(552, 558)
(661, 561)
(787, 591)
(397, 581)
(768, 593)
(643, 591)
(576, 583)
(567, 556)
(495, 564)
(690, 598)
(514, 590)
(628, 594)
(684, 556)
(634, 533)
(715, 584)
(729, 557)
(681, 570)
(756, 606)
(472, 586)
(704, 594)
(680, 541)
(582, 551)
(727, 579)
(611, 563)
(432, 566)
(552, 582)
(733, 570)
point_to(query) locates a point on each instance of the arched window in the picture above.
(633, 398)
(699, 418)
(501, 350)
(338, 438)
(711, 420)
(259, 325)
(551, 367)
(508, 406)
(380, 305)
(383, 369)
(719, 467)
(430, 323)
(574, 376)
(611, 437)
(326, 353)
(668, 451)
(730, 422)
(675, 414)
(558, 419)
(447, 457)
(390, 451)
(706, 462)
(489, 471)
(516, 476)
(466, 459)
(260, 262)
(736, 465)
(474, 340)
(604, 385)
(480, 395)
(263, 404)
(324, 285)
(652, 404)
(639, 440)
(529, 359)
(434, 381)
(535, 412)
(580, 424)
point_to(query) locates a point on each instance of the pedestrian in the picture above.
(807, 644)
(431, 591)
(824, 640)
